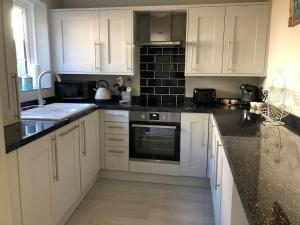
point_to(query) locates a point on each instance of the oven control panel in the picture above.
(155, 116)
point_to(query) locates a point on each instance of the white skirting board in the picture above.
(153, 178)
(154, 168)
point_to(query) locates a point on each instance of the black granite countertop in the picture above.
(265, 161)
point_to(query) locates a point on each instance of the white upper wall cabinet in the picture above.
(8, 67)
(92, 41)
(205, 40)
(116, 41)
(75, 36)
(245, 39)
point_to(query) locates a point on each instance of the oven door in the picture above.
(155, 141)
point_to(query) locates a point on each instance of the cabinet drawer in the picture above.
(115, 116)
(116, 158)
(116, 128)
(116, 140)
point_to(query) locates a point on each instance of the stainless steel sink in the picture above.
(55, 111)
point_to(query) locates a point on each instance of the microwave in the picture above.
(75, 90)
(204, 96)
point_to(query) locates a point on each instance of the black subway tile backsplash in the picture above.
(154, 51)
(179, 75)
(143, 66)
(162, 90)
(154, 82)
(162, 75)
(154, 100)
(148, 90)
(147, 58)
(143, 82)
(147, 74)
(154, 66)
(169, 82)
(163, 59)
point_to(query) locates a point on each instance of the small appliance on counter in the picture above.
(103, 93)
(249, 93)
(75, 90)
(204, 96)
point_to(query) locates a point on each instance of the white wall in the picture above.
(284, 53)
(43, 52)
(112, 3)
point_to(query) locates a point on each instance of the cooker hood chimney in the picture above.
(161, 29)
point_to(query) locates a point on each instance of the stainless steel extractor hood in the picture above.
(161, 29)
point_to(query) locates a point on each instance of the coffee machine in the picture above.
(249, 93)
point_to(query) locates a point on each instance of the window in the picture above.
(30, 26)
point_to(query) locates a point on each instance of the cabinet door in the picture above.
(75, 37)
(226, 193)
(217, 184)
(116, 41)
(36, 179)
(205, 40)
(193, 146)
(116, 158)
(90, 149)
(8, 67)
(66, 187)
(245, 41)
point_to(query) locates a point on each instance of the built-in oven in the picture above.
(154, 136)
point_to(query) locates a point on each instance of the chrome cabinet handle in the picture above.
(14, 77)
(95, 47)
(230, 59)
(128, 46)
(119, 115)
(116, 151)
(68, 131)
(115, 127)
(217, 185)
(55, 174)
(154, 126)
(115, 139)
(84, 138)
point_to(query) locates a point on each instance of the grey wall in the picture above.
(115, 3)
(227, 87)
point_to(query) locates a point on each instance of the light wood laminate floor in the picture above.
(112, 202)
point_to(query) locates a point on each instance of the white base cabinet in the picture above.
(51, 168)
(116, 140)
(194, 144)
(90, 148)
(66, 187)
(228, 209)
(36, 177)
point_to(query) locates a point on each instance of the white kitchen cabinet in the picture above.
(8, 67)
(75, 36)
(36, 180)
(90, 149)
(116, 140)
(228, 209)
(116, 158)
(205, 40)
(93, 41)
(194, 144)
(245, 39)
(66, 187)
(116, 41)
(217, 180)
